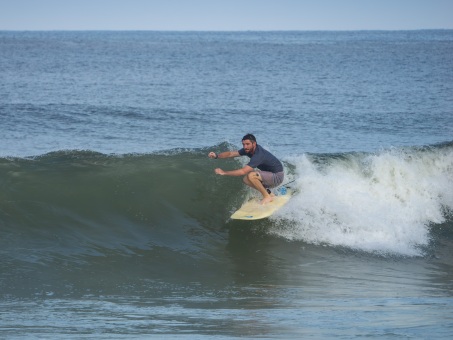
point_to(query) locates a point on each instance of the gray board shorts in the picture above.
(271, 179)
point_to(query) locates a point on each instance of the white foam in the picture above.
(381, 203)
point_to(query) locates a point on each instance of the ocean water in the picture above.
(114, 225)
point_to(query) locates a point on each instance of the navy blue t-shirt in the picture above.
(263, 160)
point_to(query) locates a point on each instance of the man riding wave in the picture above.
(263, 171)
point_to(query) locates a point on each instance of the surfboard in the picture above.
(254, 210)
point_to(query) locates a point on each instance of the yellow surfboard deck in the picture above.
(253, 210)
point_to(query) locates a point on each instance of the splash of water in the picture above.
(384, 203)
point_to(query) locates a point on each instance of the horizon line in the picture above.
(226, 31)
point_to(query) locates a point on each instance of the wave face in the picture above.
(76, 202)
(73, 203)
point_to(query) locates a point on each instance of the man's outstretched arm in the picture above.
(226, 154)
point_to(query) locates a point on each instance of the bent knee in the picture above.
(248, 178)
(253, 176)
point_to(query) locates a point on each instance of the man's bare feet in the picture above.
(267, 199)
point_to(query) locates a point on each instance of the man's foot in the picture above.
(267, 199)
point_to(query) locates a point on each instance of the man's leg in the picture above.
(253, 179)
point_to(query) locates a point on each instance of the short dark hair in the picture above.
(250, 137)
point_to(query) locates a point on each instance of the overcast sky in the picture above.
(225, 15)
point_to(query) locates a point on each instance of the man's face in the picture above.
(249, 146)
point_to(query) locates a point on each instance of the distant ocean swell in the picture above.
(72, 203)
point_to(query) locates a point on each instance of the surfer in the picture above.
(269, 170)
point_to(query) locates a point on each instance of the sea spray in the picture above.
(383, 203)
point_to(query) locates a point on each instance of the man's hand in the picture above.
(212, 155)
(219, 171)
